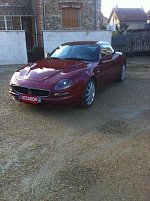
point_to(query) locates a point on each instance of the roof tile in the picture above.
(130, 14)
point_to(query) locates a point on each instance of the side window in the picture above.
(106, 50)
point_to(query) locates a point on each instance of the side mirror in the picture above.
(47, 54)
(114, 52)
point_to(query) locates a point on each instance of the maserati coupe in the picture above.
(69, 75)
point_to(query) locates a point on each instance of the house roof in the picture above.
(129, 14)
(16, 11)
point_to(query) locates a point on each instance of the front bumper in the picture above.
(53, 100)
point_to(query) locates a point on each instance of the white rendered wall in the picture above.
(13, 48)
(52, 39)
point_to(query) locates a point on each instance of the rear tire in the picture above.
(89, 94)
(122, 75)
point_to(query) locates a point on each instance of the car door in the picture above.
(107, 65)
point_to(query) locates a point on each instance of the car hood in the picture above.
(44, 69)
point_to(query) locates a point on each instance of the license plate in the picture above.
(29, 99)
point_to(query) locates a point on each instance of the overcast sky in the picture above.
(107, 5)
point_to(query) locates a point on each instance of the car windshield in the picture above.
(88, 52)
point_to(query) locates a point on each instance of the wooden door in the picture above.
(70, 17)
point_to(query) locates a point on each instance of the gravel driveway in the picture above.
(72, 154)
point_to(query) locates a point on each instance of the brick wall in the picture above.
(38, 9)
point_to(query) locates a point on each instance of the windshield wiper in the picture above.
(55, 58)
(73, 58)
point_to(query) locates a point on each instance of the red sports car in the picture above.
(69, 75)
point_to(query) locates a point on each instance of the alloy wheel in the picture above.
(90, 93)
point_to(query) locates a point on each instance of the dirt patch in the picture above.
(115, 127)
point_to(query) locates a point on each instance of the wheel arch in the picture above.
(95, 80)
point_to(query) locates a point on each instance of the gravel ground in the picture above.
(71, 154)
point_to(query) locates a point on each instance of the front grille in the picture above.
(35, 92)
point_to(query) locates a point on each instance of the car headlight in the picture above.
(14, 78)
(63, 84)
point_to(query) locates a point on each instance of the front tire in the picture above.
(89, 94)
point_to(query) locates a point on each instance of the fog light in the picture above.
(61, 94)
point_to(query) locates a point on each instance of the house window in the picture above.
(70, 14)
(16, 23)
(10, 23)
(2, 23)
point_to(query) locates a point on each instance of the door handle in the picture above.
(107, 61)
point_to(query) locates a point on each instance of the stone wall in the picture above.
(89, 15)
(52, 15)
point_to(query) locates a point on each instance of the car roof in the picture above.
(86, 42)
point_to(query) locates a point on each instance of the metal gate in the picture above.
(134, 42)
(36, 53)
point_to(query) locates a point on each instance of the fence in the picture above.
(35, 53)
(134, 42)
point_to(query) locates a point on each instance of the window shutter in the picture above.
(70, 17)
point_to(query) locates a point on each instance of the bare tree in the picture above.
(122, 27)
